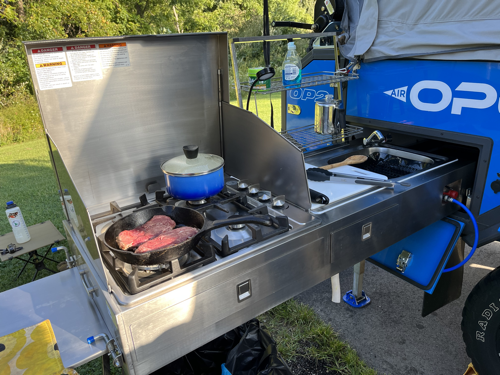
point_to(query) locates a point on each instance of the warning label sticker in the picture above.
(84, 62)
(51, 68)
(114, 55)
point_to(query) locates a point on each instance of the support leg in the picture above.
(25, 264)
(106, 366)
(336, 288)
(357, 297)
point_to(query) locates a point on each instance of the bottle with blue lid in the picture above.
(292, 67)
(17, 223)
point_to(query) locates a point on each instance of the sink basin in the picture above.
(391, 162)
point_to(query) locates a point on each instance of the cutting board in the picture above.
(339, 190)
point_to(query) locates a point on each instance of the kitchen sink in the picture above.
(393, 162)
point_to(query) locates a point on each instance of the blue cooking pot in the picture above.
(194, 176)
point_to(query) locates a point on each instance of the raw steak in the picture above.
(174, 237)
(157, 225)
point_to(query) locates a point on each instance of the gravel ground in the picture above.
(390, 334)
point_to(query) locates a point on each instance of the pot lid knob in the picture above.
(191, 151)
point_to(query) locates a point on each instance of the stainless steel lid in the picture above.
(192, 163)
(328, 101)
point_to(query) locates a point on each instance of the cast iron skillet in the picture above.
(180, 215)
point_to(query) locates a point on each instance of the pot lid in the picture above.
(192, 163)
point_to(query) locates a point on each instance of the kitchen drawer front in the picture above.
(165, 335)
(357, 241)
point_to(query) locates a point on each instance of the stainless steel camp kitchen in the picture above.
(108, 137)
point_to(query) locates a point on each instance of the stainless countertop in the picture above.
(62, 299)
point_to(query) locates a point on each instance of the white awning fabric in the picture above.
(429, 29)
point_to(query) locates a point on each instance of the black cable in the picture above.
(272, 111)
(266, 46)
(250, 92)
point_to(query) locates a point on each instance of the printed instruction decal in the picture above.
(114, 55)
(84, 62)
(51, 68)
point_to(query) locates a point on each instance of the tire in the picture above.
(481, 324)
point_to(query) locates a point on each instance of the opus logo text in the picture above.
(447, 97)
(308, 94)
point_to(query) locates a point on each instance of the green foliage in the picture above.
(22, 20)
(19, 119)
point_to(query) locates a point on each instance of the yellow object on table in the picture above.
(32, 351)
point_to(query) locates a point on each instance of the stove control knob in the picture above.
(264, 196)
(279, 201)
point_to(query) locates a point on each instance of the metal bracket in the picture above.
(357, 296)
(404, 260)
(352, 301)
(114, 350)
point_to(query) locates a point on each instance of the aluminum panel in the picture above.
(166, 334)
(255, 151)
(113, 133)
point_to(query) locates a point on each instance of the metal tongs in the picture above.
(318, 174)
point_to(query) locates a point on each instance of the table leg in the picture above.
(26, 263)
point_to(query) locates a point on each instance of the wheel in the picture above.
(481, 324)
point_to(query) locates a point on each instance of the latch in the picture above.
(113, 349)
(404, 260)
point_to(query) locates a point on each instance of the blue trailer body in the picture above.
(454, 96)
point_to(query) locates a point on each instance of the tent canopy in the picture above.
(427, 29)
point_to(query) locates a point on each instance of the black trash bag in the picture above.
(206, 360)
(256, 353)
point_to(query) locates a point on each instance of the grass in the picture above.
(299, 332)
(26, 176)
(264, 107)
(19, 119)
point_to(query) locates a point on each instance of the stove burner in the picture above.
(223, 241)
(235, 237)
(197, 203)
(237, 226)
(160, 267)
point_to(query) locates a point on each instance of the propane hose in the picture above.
(476, 233)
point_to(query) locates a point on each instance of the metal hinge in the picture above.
(404, 260)
(114, 350)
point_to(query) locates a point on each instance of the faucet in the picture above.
(376, 134)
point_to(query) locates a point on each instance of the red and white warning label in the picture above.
(51, 68)
(114, 55)
(84, 62)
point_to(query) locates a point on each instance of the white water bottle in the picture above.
(17, 223)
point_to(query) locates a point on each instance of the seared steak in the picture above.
(158, 224)
(171, 238)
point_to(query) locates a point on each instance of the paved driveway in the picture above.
(389, 334)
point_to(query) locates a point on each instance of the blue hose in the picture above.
(476, 231)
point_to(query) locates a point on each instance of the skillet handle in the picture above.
(255, 219)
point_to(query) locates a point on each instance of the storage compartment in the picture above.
(421, 258)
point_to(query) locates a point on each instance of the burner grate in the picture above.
(134, 281)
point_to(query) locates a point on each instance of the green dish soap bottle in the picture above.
(292, 67)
